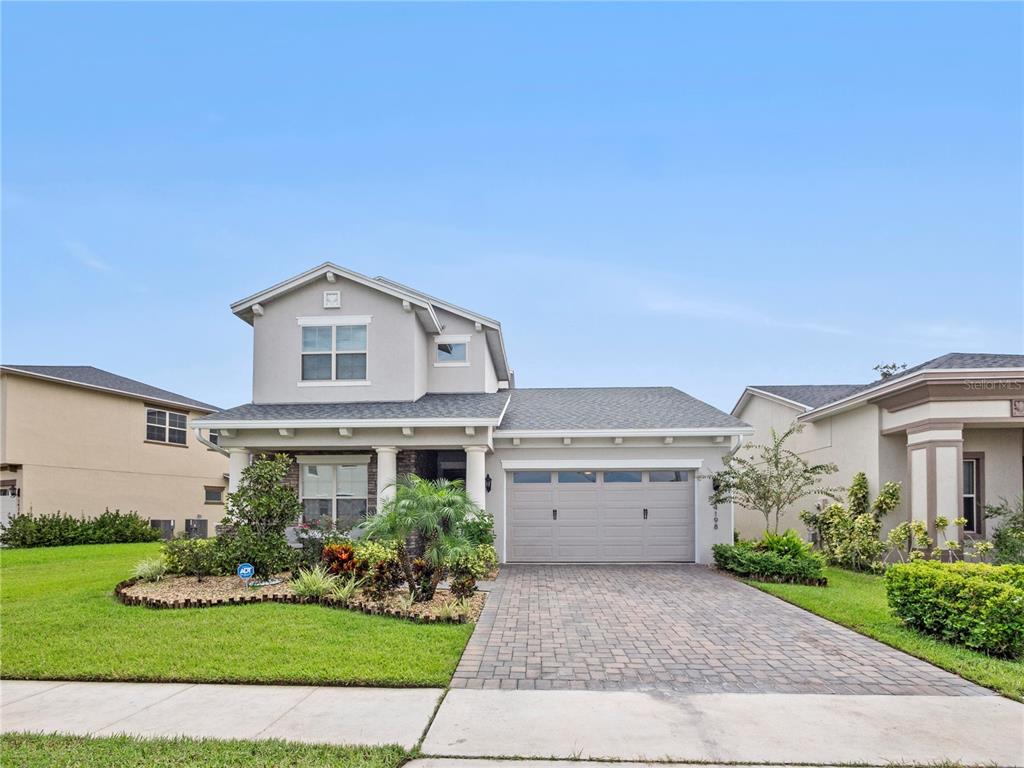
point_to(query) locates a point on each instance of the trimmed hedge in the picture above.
(975, 605)
(59, 530)
(785, 559)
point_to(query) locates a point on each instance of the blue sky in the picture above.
(702, 196)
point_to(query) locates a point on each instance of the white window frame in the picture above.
(452, 339)
(972, 495)
(333, 323)
(166, 426)
(353, 460)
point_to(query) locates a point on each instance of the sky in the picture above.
(698, 195)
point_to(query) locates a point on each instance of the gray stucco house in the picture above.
(364, 379)
(950, 431)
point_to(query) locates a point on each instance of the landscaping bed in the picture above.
(187, 592)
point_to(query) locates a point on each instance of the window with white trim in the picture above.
(164, 426)
(970, 499)
(451, 351)
(334, 352)
(334, 494)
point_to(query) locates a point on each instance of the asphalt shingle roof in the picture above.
(470, 405)
(811, 395)
(818, 395)
(96, 377)
(611, 408)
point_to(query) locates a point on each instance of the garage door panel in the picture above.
(602, 522)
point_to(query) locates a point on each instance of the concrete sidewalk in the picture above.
(368, 716)
(729, 727)
(610, 725)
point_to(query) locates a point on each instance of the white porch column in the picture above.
(238, 459)
(476, 484)
(934, 466)
(387, 473)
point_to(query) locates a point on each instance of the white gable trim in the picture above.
(752, 391)
(243, 307)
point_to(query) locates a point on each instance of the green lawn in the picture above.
(59, 620)
(857, 601)
(32, 751)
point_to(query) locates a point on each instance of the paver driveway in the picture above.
(676, 627)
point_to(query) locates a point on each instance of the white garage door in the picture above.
(578, 516)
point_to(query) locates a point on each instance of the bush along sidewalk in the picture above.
(784, 558)
(975, 605)
(27, 530)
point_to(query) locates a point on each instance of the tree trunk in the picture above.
(403, 559)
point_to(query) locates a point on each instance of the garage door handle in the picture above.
(554, 514)
(645, 513)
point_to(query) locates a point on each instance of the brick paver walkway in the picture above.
(675, 627)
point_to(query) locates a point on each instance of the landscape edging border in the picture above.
(272, 597)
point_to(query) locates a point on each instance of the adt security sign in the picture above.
(245, 571)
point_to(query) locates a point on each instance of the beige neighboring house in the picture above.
(77, 440)
(950, 431)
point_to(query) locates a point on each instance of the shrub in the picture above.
(343, 588)
(372, 552)
(383, 579)
(480, 563)
(313, 583)
(258, 512)
(780, 558)
(1008, 538)
(312, 538)
(976, 605)
(478, 529)
(850, 536)
(340, 558)
(192, 557)
(27, 530)
(463, 584)
(152, 569)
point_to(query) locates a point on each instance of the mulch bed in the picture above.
(186, 592)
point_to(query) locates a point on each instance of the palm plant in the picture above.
(432, 511)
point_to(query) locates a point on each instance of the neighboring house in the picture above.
(950, 431)
(76, 439)
(363, 380)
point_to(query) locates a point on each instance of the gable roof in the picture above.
(809, 395)
(614, 409)
(469, 408)
(95, 378)
(424, 303)
(814, 397)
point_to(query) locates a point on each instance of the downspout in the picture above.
(207, 443)
(739, 444)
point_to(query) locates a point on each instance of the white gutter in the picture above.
(207, 443)
(671, 432)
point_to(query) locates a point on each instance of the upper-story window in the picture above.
(451, 350)
(164, 426)
(334, 352)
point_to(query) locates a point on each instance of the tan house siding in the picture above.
(1003, 451)
(81, 451)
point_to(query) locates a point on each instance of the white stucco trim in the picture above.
(335, 320)
(334, 383)
(341, 423)
(754, 391)
(514, 464)
(666, 432)
(353, 458)
(899, 382)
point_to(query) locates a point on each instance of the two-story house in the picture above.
(76, 439)
(363, 379)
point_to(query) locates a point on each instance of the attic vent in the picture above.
(332, 299)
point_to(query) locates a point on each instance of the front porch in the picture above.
(340, 487)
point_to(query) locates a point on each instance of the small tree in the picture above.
(432, 511)
(771, 481)
(258, 512)
(888, 370)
